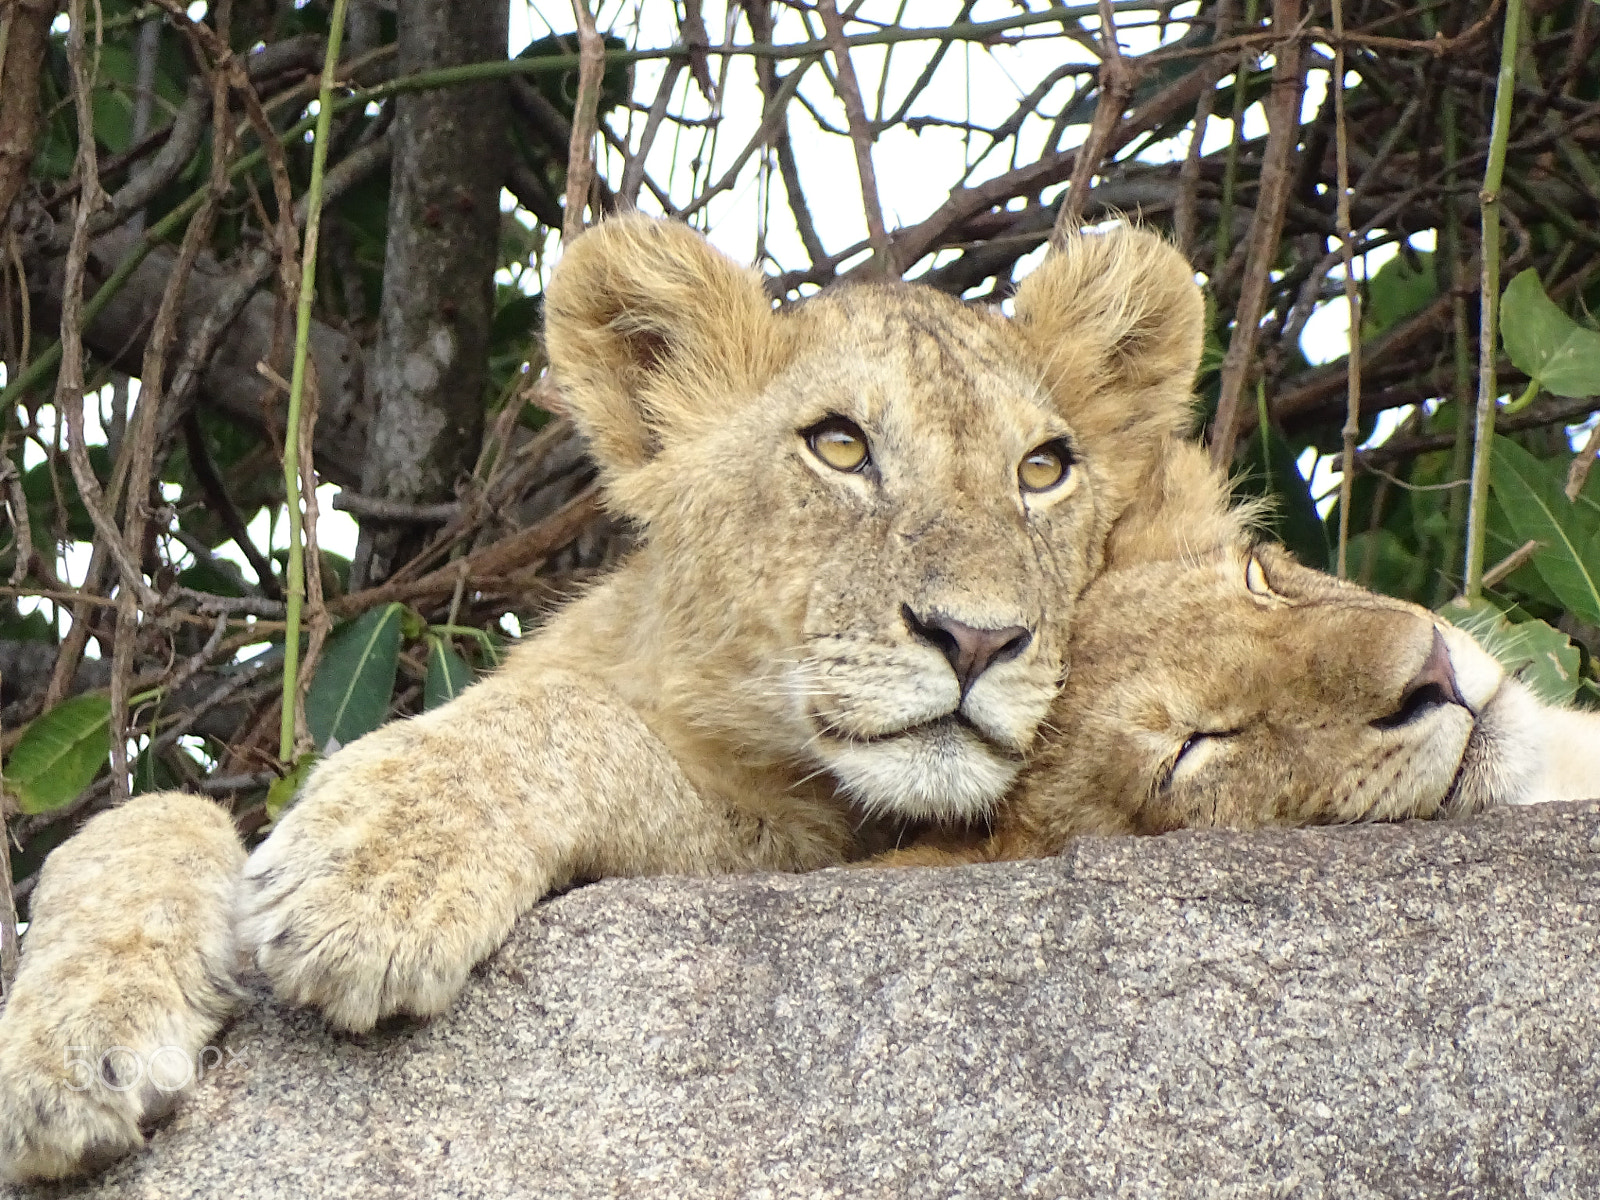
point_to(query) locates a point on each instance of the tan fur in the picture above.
(1303, 684)
(128, 972)
(747, 687)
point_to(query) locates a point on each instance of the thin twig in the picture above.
(771, 121)
(1489, 303)
(1283, 118)
(320, 624)
(1507, 565)
(861, 138)
(222, 506)
(378, 509)
(520, 551)
(16, 504)
(1352, 411)
(9, 949)
(585, 120)
(1183, 218)
(1578, 472)
(191, 666)
(294, 588)
(633, 170)
(1116, 84)
(140, 448)
(69, 393)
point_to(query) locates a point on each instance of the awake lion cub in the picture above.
(864, 525)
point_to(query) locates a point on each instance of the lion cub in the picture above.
(864, 525)
(1266, 693)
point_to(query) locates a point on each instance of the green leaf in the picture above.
(1545, 344)
(1380, 559)
(60, 753)
(40, 487)
(283, 790)
(1500, 540)
(350, 694)
(1539, 655)
(220, 577)
(516, 320)
(412, 625)
(35, 627)
(448, 673)
(1539, 510)
(152, 773)
(1397, 291)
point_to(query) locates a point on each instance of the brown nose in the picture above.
(969, 650)
(1433, 685)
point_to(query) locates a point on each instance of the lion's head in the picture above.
(1237, 688)
(865, 519)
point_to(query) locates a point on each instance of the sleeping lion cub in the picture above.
(865, 521)
(1265, 693)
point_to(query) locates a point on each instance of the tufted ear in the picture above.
(1117, 321)
(1183, 508)
(652, 334)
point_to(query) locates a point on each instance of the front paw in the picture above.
(379, 891)
(76, 1095)
(127, 973)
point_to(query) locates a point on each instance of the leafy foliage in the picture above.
(60, 752)
(1556, 353)
(350, 694)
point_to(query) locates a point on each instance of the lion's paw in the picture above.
(373, 899)
(127, 973)
(76, 1094)
(327, 938)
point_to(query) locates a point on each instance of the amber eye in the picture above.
(1045, 466)
(839, 443)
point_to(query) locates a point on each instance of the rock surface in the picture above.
(1400, 1011)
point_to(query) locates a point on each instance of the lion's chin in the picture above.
(940, 771)
(1501, 761)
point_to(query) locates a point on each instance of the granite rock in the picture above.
(1396, 1011)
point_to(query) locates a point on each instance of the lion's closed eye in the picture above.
(1259, 584)
(1196, 750)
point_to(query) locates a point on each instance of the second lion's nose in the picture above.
(1433, 685)
(969, 650)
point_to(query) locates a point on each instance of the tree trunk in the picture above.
(430, 366)
(26, 25)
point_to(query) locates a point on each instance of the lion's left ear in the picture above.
(1117, 321)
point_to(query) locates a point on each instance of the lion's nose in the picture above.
(969, 650)
(1433, 685)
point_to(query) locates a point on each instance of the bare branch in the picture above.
(580, 155)
(16, 504)
(861, 136)
(1117, 81)
(27, 29)
(1288, 83)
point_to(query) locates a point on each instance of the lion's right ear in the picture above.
(653, 335)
